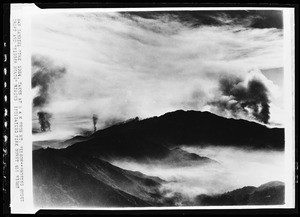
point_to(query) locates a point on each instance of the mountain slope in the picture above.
(58, 144)
(153, 137)
(81, 175)
(64, 180)
(271, 193)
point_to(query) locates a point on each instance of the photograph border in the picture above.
(6, 149)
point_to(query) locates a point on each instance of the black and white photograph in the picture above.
(159, 108)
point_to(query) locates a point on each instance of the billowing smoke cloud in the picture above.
(44, 120)
(240, 98)
(44, 75)
(45, 72)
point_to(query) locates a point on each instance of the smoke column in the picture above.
(95, 119)
(44, 120)
(240, 99)
(45, 73)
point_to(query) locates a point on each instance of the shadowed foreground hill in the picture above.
(152, 138)
(64, 181)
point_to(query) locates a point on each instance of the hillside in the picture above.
(271, 193)
(153, 137)
(82, 175)
(62, 180)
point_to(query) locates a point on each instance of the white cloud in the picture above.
(254, 168)
(125, 67)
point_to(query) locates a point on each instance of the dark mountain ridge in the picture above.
(271, 193)
(153, 137)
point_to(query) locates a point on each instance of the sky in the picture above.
(121, 65)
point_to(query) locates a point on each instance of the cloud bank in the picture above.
(254, 168)
(123, 65)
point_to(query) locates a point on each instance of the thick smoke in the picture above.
(44, 75)
(243, 98)
(95, 119)
(44, 120)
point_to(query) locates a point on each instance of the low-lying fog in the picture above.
(238, 168)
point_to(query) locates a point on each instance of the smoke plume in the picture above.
(44, 120)
(44, 75)
(243, 98)
(95, 119)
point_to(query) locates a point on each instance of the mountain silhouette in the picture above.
(271, 193)
(153, 137)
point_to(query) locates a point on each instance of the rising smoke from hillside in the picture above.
(45, 73)
(246, 98)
